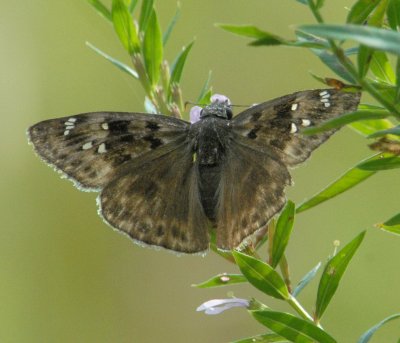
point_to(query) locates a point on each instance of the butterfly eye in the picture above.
(229, 113)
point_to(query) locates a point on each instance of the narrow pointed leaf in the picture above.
(267, 338)
(320, 4)
(179, 63)
(381, 68)
(368, 334)
(368, 127)
(114, 61)
(333, 273)
(393, 14)
(244, 30)
(306, 280)
(145, 13)
(153, 49)
(392, 131)
(347, 119)
(205, 93)
(373, 37)
(124, 27)
(364, 58)
(101, 9)
(261, 276)
(294, 329)
(282, 233)
(222, 280)
(348, 180)
(360, 11)
(384, 163)
(333, 63)
(392, 225)
(171, 24)
(132, 5)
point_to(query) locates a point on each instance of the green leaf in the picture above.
(304, 2)
(282, 233)
(205, 93)
(172, 24)
(360, 11)
(306, 280)
(347, 119)
(145, 13)
(101, 9)
(334, 64)
(368, 334)
(384, 163)
(153, 49)
(381, 68)
(319, 4)
(114, 61)
(124, 27)
(392, 225)
(293, 328)
(333, 273)
(244, 30)
(368, 127)
(261, 275)
(222, 280)
(348, 180)
(178, 64)
(267, 338)
(364, 58)
(132, 5)
(393, 14)
(373, 37)
(392, 131)
(262, 37)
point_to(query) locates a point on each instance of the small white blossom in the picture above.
(216, 306)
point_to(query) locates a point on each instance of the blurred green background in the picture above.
(66, 277)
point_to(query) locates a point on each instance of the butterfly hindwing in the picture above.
(89, 148)
(156, 201)
(251, 192)
(276, 124)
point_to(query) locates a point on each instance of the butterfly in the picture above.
(165, 182)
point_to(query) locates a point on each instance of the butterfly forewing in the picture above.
(276, 124)
(89, 148)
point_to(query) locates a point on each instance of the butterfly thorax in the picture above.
(212, 134)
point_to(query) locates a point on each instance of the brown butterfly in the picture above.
(164, 181)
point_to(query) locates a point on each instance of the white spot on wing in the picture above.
(72, 120)
(87, 146)
(294, 107)
(69, 127)
(293, 128)
(324, 100)
(104, 126)
(305, 122)
(327, 104)
(323, 93)
(102, 148)
(66, 132)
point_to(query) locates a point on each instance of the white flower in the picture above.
(216, 306)
(195, 114)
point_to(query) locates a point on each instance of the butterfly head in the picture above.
(220, 107)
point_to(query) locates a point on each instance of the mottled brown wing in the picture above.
(156, 202)
(89, 148)
(276, 124)
(251, 192)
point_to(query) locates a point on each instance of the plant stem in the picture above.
(292, 301)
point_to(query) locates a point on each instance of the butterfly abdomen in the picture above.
(211, 137)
